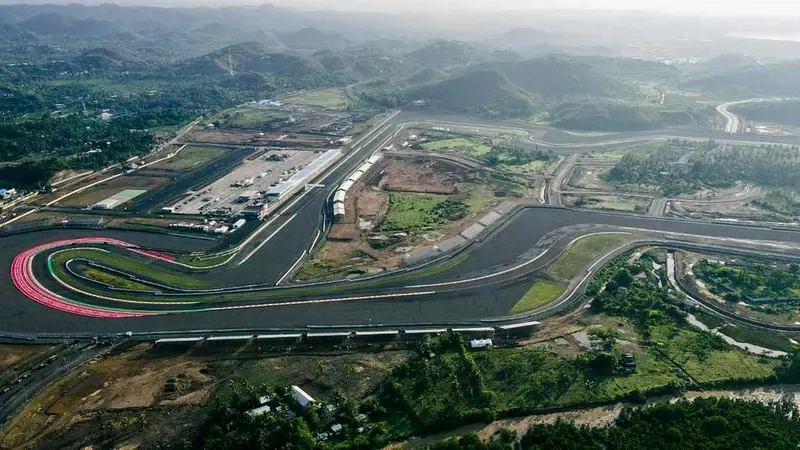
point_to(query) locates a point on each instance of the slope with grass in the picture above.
(584, 251)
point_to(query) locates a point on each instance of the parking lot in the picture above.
(246, 184)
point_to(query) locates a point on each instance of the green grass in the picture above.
(772, 341)
(410, 212)
(329, 98)
(652, 371)
(113, 279)
(719, 364)
(203, 261)
(540, 294)
(135, 267)
(477, 198)
(708, 320)
(585, 251)
(531, 167)
(471, 147)
(610, 202)
(191, 157)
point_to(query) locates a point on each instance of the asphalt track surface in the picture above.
(565, 142)
(22, 315)
(19, 314)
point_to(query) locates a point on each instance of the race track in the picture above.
(20, 314)
(494, 273)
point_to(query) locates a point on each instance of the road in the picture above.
(563, 142)
(466, 296)
(733, 124)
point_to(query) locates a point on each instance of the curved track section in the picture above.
(24, 279)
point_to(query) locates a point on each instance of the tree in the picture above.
(604, 338)
(623, 278)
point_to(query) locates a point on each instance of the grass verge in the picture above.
(470, 147)
(134, 267)
(113, 279)
(540, 294)
(583, 252)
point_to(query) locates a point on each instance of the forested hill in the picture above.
(516, 88)
(768, 80)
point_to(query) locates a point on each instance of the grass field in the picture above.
(113, 280)
(540, 294)
(766, 339)
(723, 363)
(531, 167)
(471, 147)
(410, 212)
(583, 252)
(132, 266)
(190, 158)
(609, 202)
(329, 98)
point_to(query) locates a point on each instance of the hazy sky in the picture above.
(710, 7)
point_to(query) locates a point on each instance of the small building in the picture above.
(246, 196)
(261, 410)
(336, 428)
(301, 397)
(108, 203)
(480, 343)
(628, 362)
(255, 212)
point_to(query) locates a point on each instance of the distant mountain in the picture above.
(556, 77)
(597, 116)
(516, 88)
(320, 69)
(13, 33)
(630, 68)
(769, 79)
(784, 113)
(427, 76)
(54, 24)
(481, 92)
(445, 54)
(728, 61)
(102, 59)
(522, 38)
(312, 39)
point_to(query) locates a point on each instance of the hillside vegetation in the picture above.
(768, 80)
(784, 113)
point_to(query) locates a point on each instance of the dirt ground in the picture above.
(132, 379)
(744, 192)
(420, 175)
(732, 210)
(105, 190)
(143, 395)
(348, 252)
(589, 177)
(13, 354)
